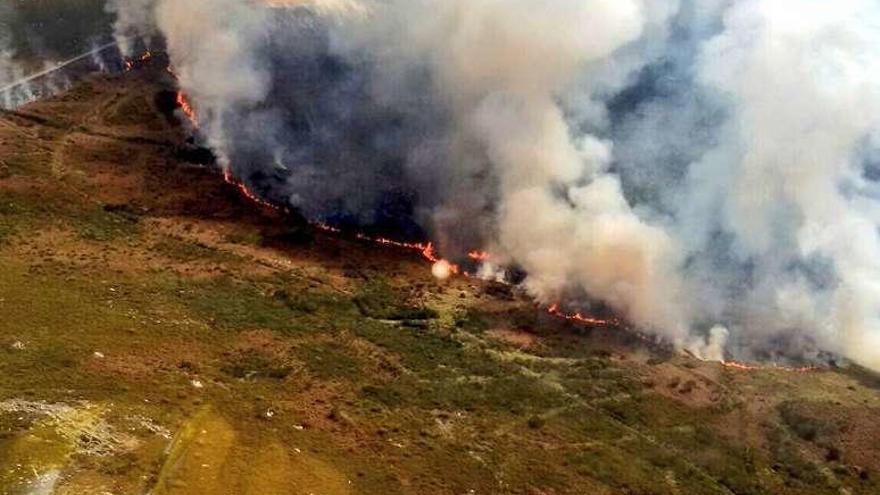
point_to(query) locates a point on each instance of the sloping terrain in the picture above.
(161, 334)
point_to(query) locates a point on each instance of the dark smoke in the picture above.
(708, 168)
(36, 36)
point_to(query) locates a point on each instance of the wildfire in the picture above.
(554, 310)
(246, 192)
(735, 365)
(187, 109)
(131, 63)
(480, 256)
(427, 250)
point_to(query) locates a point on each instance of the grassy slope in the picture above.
(232, 362)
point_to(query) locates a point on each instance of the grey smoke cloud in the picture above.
(707, 168)
(10, 69)
(38, 40)
(134, 23)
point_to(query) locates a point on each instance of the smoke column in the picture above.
(10, 70)
(707, 168)
(34, 38)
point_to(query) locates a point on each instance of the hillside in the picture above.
(162, 334)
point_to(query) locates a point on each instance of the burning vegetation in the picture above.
(220, 301)
(441, 268)
(338, 359)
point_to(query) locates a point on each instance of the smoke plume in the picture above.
(37, 41)
(10, 69)
(134, 23)
(709, 169)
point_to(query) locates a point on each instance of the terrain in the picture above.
(160, 333)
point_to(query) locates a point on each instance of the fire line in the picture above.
(429, 253)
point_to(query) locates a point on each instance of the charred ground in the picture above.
(161, 334)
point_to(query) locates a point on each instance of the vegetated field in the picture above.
(160, 334)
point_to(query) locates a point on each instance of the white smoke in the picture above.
(10, 69)
(28, 69)
(707, 168)
(213, 57)
(134, 23)
(804, 92)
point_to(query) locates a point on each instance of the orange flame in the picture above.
(735, 365)
(480, 256)
(427, 250)
(187, 109)
(131, 63)
(554, 310)
(429, 253)
(246, 192)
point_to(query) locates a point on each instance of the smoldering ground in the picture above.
(695, 165)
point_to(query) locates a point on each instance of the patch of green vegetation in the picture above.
(185, 251)
(803, 425)
(251, 238)
(108, 223)
(7, 231)
(432, 352)
(473, 321)
(297, 300)
(379, 300)
(254, 364)
(642, 469)
(515, 394)
(451, 375)
(234, 304)
(329, 361)
(796, 471)
(735, 467)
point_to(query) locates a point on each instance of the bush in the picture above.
(378, 300)
(805, 427)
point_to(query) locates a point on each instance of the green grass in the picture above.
(801, 424)
(254, 364)
(235, 304)
(330, 361)
(107, 223)
(379, 300)
(185, 251)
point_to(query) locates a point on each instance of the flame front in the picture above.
(428, 251)
(132, 63)
(554, 310)
(246, 192)
(188, 110)
(735, 365)
(480, 256)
